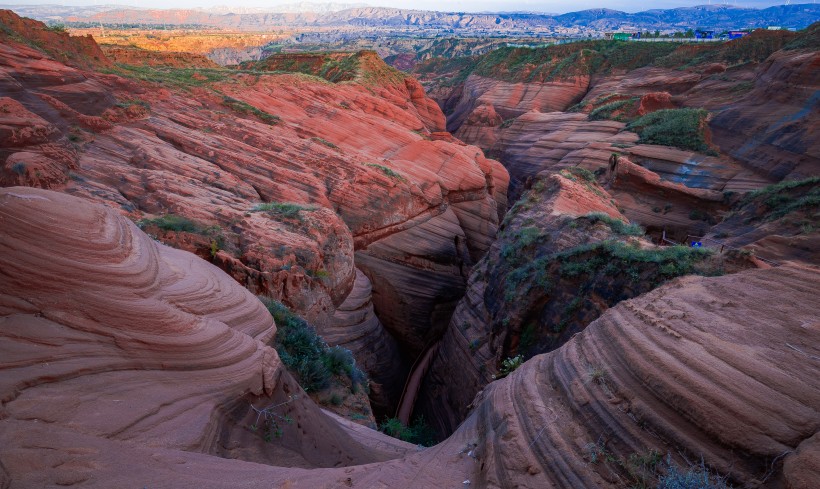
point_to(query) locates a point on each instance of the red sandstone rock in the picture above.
(357, 159)
(84, 376)
(655, 101)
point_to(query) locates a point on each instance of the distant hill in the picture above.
(705, 16)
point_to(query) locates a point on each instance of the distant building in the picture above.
(700, 34)
(624, 34)
(774, 28)
(737, 34)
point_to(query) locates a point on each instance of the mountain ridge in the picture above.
(704, 16)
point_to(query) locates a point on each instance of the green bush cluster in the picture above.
(59, 28)
(566, 61)
(519, 240)
(341, 69)
(786, 197)
(577, 171)
(808, 38)
(324, 142)
(695, 477)
(680, 128)
(616, 225)
(178, 77)
(418, 433)
(180, 224)
(387, 171)
(605, 111)
(284, 210)
(614, 257)
(246, 108)
(306, 355)
(173, 222)
(509, 365)
(134, 101)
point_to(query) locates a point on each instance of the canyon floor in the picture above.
(585, 265)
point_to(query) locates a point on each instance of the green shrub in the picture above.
(339, 361)
(605, 111)
(184, 78)
(335, 400)
(419, 432)
(680, 128)
(508, 366)
(695, 477)
(615, 256)
(246, 108)
(582, 173)
(521, 239)
(284, 210)
(387, 171)
(306, 355)
(313, 376)
(324, 142)
(134, 101)
(786, 197)
(59, 28)
(617, 225)
(698, 215)
(808, 38)
(320, 273)
(173, 222)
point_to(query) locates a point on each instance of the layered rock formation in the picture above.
(714, 369)
(760, 90)
(136, 56)
(564, 255)
(277, 179)
(510, 100)
(115, 339)
(773, 128)
(97, 395)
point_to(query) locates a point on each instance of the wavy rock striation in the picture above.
(718, 368)
(109, 336)
(564, 255)
(287, 182)
(125, 362)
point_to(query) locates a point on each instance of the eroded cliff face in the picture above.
(114, 339)
(528, 107)
(564, 255)
(96, 395)
(335, 190)
(291, 184)
(671, 372)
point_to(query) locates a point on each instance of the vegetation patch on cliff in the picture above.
(246, 108)
(315, 364)
(778, 200)
(680, 128)
(283, 210)
(418, 432)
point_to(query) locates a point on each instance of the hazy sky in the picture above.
(558, 6)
